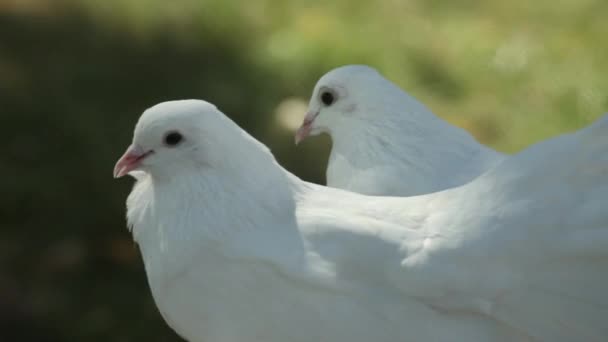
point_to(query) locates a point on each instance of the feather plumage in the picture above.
(238, 249)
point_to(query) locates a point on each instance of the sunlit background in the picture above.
(75, 76)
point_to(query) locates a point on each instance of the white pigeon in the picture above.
(237, 249)
(385, 142)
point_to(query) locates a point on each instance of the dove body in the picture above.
(242, 264)
(238, 249)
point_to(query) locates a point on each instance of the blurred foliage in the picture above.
(75, 76)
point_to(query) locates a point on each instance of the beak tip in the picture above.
(129, 161)
(118, 173)
(301, 134)
(306, 128)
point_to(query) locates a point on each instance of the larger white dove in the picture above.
(236, 249)
(384, 141)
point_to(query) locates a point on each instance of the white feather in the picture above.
(387, 143)
(237, 249)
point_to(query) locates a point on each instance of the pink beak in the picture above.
(130, 161)
(304, 131)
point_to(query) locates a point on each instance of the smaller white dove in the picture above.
(384, 141)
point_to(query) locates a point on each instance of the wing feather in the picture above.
(526, 243)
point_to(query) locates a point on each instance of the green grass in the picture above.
(510, 72)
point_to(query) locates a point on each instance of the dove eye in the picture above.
(172, 139)
(327, 98)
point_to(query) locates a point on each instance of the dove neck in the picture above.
(398, 130)
(244, 193)
(416, 142)
(217, 211)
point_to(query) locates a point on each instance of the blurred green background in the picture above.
(75, 76)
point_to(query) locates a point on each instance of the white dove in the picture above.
(237, 249)
(385, 142)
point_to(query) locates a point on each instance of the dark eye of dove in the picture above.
(327, 97)
(173, 139)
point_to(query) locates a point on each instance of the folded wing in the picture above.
(525, 244)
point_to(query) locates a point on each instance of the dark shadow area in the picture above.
(71, 91)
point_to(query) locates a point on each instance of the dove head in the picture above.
(352, 98)
(184, 136)
(340, 98)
